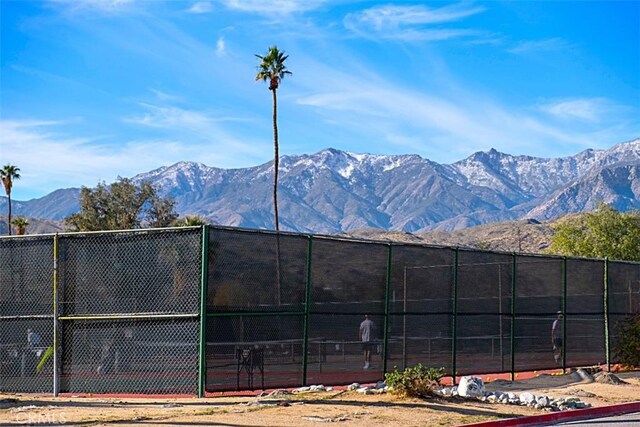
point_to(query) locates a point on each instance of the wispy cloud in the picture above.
(200, 7)
(546, 45)
(106, 6)
(454, 123)
(273, 7)
(586, 109)
(220, 46)
(86, 160)
(411, 22)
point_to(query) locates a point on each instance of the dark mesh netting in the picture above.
(484, 302)
(254, 352)
(585, 333)
(130, 356)
(246, 274)
(26, 276)
(422, 280)
(423, 338)
(348, 277)
(130, 272)
(26, 314)
(538, 298)
(25, 364)
(336, 350)
(624, 299)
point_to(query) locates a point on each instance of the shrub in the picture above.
(416, 381)
(627, 346)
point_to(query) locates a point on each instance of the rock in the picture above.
(317, 388)
(446, 391)
(581, 393)
(364, 390)
(380, 385)
(527, 398)
(353, 386)
(171, 405)
(471, 387)
(301, 389)
(542, 400)
(511, 396)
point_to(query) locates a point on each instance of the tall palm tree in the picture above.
(8, 174)
(273, 70)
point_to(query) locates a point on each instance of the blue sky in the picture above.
(95, 89)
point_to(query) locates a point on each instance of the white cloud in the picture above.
(200, 7)
(585, 109)
(220, 46)
(273, 7)
(50, 159)
(546, 45)
(411, 22)
(106, 6)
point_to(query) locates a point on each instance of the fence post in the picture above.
(513, 316)
(454, 318)
(387, 301)
(307, 309)
(202, 356)
(607, 338)
(56, 370)
(564, 317)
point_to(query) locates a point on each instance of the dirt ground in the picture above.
(305, 409)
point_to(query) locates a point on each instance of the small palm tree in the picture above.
(21, 225)
(8, 174)
(190, 221)
(273, 70)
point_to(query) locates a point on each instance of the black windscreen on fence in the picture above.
(26, 314)
(189, 310)
(585, 332)
(539, 296)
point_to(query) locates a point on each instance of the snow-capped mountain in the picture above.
(336, 191)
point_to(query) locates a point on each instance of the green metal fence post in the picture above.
(387, 302)
(307, 309)
(56, 362)
(564, 317)
(454, 318)
(513, 317)
(202, 358)
(607, 337)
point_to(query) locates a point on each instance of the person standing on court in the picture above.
(557, 334)
(366, 333)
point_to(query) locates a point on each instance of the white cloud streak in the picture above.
(200, 7)
(273, 7)
(547, 45)
(411, 22)
(585, 109)
(77, 161)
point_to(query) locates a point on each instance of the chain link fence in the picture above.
(195, 310)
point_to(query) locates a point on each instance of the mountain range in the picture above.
(335, 191)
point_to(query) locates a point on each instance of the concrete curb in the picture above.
(555, 417)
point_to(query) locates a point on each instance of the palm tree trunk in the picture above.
(276, 164)
(9, 218)
(276, 160)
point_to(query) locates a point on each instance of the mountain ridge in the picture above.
(334, 191)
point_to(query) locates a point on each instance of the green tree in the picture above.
(122, 205)
(190, 221)
(602, 233)
(8, 174)
(21, 225)
(273, 70)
